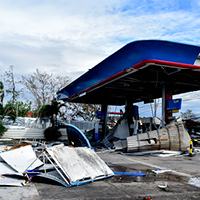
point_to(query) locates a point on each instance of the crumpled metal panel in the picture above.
(51, 175)
(21, 158)
(10, 181)
(9, 177)
(79, 164)
(6, 169)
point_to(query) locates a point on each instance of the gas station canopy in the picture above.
(138, 71)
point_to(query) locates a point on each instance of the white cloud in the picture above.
(70, 37)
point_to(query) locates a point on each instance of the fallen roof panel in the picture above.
(6, 180)
(21, 159)
(79, 164)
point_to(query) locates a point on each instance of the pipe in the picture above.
(130, 173)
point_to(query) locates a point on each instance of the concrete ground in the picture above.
(123, 186)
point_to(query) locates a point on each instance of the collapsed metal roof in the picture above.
(138, 71)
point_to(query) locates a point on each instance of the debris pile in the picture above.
(173, 136)
(66, 165)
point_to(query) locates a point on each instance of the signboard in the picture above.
(175, 111)
(100, 114)
(174, 104)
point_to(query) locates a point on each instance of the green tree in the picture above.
(19, 109)
(8, 110)
(1, 109)
(52, 111)
(2, 128)
(22, 108)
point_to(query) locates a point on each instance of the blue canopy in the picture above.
(144, 56)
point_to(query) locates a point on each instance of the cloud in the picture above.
(70, 37)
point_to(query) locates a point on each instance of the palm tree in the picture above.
(51, 111)
(51, 133)
(5, 110)
(1, 92)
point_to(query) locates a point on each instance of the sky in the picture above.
(69, 37)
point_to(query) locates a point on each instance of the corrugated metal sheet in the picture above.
(173, 136)
(33, 128)
(79, 164)
(83, 125)
(23, 133)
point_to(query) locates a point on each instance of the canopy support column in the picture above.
(104, 108)
(163, 105)
(166, 95)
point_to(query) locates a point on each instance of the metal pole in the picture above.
(104, 108)
(190, 148)
(163, 104)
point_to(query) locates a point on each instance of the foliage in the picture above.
(188, 114)
(2, 128)
(8, 111)
(51, 111)
(85, 111)
(1, 109)
(21, 109)
(45, 111)
(51, 134)
(1, 92)
(43, 86)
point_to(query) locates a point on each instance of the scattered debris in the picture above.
(194, 181)
(160, 171)
(173, 136)
(158, 153)
(147, 198)
(125, 137)
(163, 186)
(66, 165)
(7, 180)
(144, 153)
(80, 165)
(166, 153)
(21, 158)
(130, 173)
(120, 144)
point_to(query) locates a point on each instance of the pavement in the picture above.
(180, 170)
